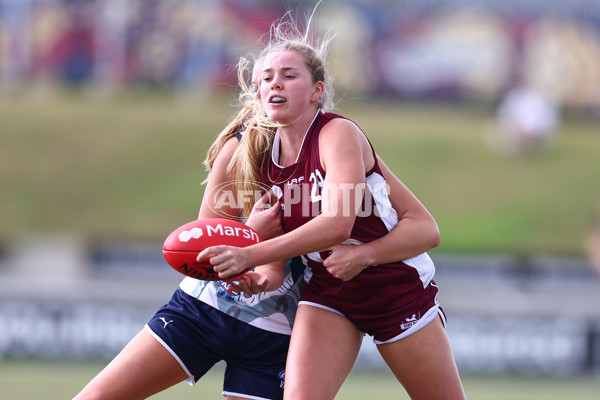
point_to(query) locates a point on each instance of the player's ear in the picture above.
(318, 91)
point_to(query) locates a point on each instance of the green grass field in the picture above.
(130, 165)
(26, 380)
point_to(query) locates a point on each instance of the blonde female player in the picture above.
(327, 176)
(206, 322)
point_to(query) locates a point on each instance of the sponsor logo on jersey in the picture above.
(226, 290)
(281, 376)
(295, 181)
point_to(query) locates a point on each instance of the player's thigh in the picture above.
(423, 362)
(323, 349)
(144, 367)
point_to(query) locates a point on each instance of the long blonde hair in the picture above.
(257, 143)
(257, 128)
(238, 124)
(248, 158)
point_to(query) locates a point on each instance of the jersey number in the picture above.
(317, 182)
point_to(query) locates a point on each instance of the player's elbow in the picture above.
(435, 240)
(434, 236)
(429, 231)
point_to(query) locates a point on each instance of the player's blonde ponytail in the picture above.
(237, 125)
(257, 141)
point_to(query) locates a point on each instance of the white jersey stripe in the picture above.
(379, 190)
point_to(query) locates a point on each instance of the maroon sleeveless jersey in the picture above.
(386, 300)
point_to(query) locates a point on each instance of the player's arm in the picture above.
(219, 184)
(220, 197)
(339, 141)
(265, 218)
(415, 233)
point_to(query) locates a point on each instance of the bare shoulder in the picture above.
(342, 139)
(340, 129)
(342, 132)
(343, 136)
(226, 153)
(231, 145)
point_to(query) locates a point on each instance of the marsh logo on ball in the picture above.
(220, 230)
(183, 245)
(194, 233)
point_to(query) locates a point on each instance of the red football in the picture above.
(183, 245)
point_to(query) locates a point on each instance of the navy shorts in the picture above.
(199, 336)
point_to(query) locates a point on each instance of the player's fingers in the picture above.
(224, 266)
(266, 197)
(239, 285)
(210, 252)
(334, 272)
(333, 248)
(220, 261)
(262, 285)
(275, 207)
(255, 287)
(224, 271)
(264, 200)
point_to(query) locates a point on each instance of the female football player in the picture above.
(206, 322)
(329, 182)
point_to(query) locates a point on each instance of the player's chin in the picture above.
(277, 114)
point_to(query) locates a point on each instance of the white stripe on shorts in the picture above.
(190, 381)
(310, 303)
(426, 319)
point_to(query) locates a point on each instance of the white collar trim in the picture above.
(277, 142)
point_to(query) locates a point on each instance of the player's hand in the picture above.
(250, 283)
(265, 217)
(345, 261)
(226, 260)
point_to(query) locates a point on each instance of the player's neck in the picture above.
(292, 137)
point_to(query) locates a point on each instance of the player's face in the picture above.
(286, 89)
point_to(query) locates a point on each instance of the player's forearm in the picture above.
(274, 273)
(318, 234)
(408, 239)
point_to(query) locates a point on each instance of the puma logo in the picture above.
(165, 322)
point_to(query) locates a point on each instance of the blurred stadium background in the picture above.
(108, 106)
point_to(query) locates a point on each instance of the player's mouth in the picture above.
(277, 100)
